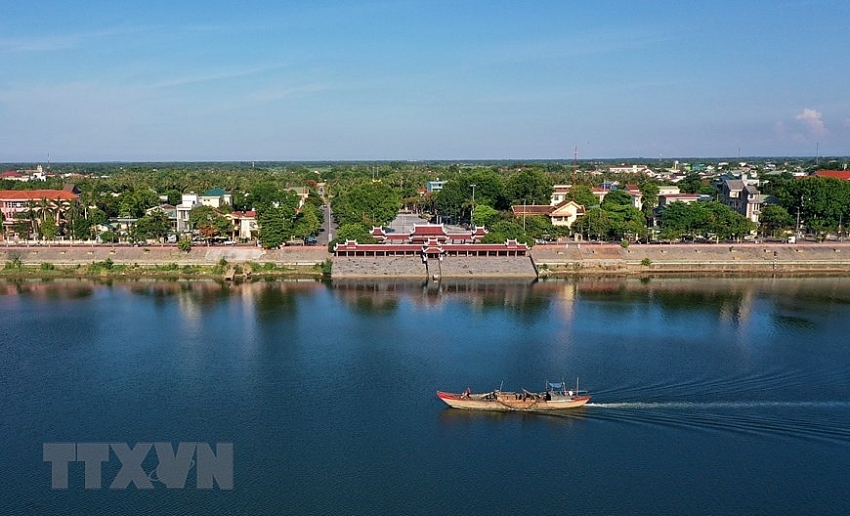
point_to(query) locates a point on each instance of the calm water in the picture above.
(710, 396)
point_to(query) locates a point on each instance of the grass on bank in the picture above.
(109, 268)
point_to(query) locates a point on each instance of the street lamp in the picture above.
(472, 210)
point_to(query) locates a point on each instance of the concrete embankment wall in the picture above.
(448, 267)
(574, 258)
(162, 255)
(550, 260)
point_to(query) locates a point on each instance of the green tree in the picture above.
(358, 232)
(133, 204)
(372, 204)
(709, 219)
(184, 244)
(23, 228)
(76, 223)
(485, 215)
(822, 203)
(677, 220)
(530, 186)
(175, 197)
(209, 222)
(616, 198)
(506, 230)
(456, 197)
(539, 227)
(774, 218)
(595, 224)
(583, 194)
(275, 225)
(649, 195)
(49, 228)
(627, 222)
(307, 222)
(154, 225)
(724, 223)
(691, 183)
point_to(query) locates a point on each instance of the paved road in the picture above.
(404, 222)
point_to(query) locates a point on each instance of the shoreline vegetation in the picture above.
(165, 262)
(565, 260)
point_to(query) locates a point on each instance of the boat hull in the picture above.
(511, 401)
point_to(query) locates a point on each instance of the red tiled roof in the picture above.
(428, 229)
(27, 195)
(679, 196)
(430, 246)
(837, 174)
(531, 209)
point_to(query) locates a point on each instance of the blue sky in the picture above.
(411, 80)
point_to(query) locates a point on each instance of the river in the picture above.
(710, 395)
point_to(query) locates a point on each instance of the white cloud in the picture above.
(812, 120)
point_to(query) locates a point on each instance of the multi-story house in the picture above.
(741, 197)
(217, 197)
(16, 205)
(244, 224)
(189, 201)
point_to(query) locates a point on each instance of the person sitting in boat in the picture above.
(467, 392)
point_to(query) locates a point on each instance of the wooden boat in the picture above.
(555, 397)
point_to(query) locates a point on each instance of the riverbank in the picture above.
(163, 261)
(546, 261)
(583, 258)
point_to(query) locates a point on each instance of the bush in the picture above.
(184, 245)
(14, 263)
(47, 266)
(646, 262)
(105, 265)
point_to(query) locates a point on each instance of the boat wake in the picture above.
(821, 420)
(687, 405)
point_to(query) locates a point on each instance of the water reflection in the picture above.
(328, 391)
(47, 288)
(385, 296)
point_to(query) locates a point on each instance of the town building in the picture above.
(189, 201)
(630, 169)
(216, 197)
(741, 197)
(844, 175)
(169, 211)
(430, 242)
(434, 186)
(244, 224)
(17, 205)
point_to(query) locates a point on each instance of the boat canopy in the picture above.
(557, 386)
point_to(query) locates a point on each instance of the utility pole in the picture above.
(797, 233)
(523, 215)
(472, 210)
